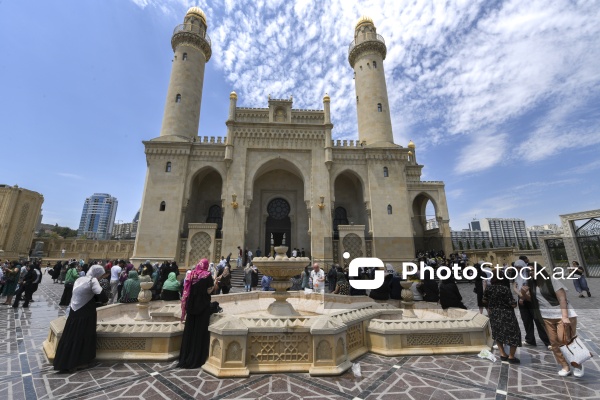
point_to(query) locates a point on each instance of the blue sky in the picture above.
(501, 97)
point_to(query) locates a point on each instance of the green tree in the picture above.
(468, 245)
(528, 245)
(483, 245)
(476, 245)
(534, 246)
(460, 245)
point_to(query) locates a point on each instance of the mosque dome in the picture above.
(363, 20)
(411, 145)
(326, 98)
(233, 95)
(197, 11)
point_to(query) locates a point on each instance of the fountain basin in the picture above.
(327, 334)
(121, 338)
(330, 332)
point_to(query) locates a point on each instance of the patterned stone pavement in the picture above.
(26, 374)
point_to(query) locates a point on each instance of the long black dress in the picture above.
(505, 327)
(195, 342)
(77, 345)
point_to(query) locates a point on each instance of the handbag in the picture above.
(574, 351)
(215, 308)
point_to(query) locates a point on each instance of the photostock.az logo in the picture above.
(365, 262)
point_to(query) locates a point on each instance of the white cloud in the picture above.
(483, 152)
(69, 175)
(521, 72)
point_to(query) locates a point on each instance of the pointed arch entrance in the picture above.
(278, 228)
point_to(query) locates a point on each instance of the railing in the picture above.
(193, 28)
(365, 37)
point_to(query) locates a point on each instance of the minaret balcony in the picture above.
(193, 28)
(193, 34)
(366, 41)
(365, 37)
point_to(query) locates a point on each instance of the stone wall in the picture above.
(503, 255)
(19, 213)
(85, 249)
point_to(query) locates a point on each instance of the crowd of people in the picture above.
(541, 300)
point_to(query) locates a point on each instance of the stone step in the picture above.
(237, 277)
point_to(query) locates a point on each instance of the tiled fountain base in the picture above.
(26, 374)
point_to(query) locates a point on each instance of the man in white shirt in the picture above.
(115, 271)
(295, 252)
(318, 278)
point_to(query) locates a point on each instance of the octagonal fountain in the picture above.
(267, 332)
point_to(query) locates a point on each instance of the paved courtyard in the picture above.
(26, 374)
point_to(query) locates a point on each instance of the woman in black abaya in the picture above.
(77, 345)
(195, 310)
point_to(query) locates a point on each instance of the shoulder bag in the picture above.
(574, 351)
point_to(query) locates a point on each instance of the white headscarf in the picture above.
(86, 287)
(96, 271)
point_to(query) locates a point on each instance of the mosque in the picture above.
(278, 176)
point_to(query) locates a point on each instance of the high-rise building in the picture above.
(98, 216)
(505, 232)
(470, 239)
(126, 230)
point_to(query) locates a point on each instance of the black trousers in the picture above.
(28, 290)
(528, 318)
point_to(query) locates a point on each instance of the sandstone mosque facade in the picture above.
(278, 174)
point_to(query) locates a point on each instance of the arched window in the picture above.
(163, 206)
(374, 64)
(178, 98)
(184, 56)
(168, 167)
(379, 108)
(389, 209)
(385, 172)
(340, 218)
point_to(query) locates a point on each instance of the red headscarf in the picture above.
(200, 272)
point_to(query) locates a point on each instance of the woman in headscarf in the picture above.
(63, 272)
(77, 345)
(71, 276)
(341, 284)
(11, 278)
(450, 296)
(225, 280)
(170, 289)
(123, 278)
(56, 271)
(131, 288)
(195, 311)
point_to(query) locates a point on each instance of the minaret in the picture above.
(191, 46)
(366, 55)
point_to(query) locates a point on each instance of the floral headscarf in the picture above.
(200, 272)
